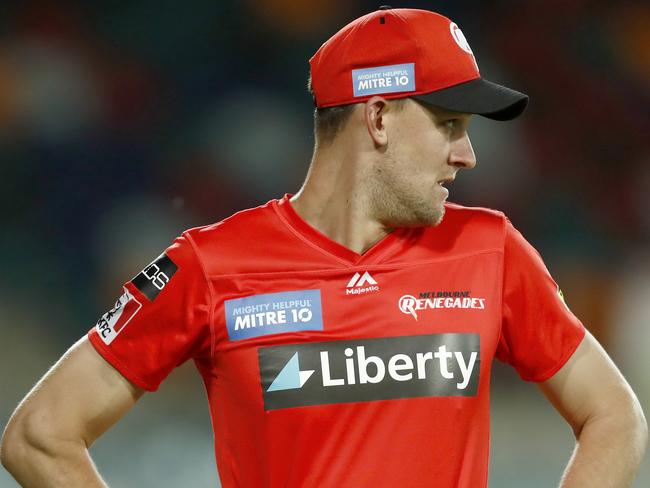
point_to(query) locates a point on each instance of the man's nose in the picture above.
(462, 153)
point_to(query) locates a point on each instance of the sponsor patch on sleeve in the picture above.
(114, 321)
(273, 313)
(155, 277)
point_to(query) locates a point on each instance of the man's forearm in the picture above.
(608, 452)
(69, 466)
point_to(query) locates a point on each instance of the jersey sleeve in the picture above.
(538, 331)
(161, 320)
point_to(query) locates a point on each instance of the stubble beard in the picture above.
(397, 202)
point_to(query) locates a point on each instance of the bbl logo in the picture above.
(384, 368)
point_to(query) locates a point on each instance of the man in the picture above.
(345, 335)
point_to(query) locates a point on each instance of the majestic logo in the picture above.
(273, 313)
(113, 321)
(360, 284)
(410, 305)
(155, 277)
(360, 370)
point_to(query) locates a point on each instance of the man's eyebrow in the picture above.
(448, 113)
(442, 112)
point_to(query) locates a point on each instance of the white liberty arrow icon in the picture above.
(290, 377)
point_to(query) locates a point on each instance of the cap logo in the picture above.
(383, 79)
(459, 37)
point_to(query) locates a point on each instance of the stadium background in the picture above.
(123, 123)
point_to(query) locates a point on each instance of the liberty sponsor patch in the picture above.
(364, 370)
(273, 313)
(114, 321)
(152, 279)
(383, 79)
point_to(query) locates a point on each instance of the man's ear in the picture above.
(374, 112)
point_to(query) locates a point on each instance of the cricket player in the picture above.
(345, 334)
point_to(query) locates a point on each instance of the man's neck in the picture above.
(335, 201)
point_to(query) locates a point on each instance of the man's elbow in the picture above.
(633, 430)
(641, 426)
(635, 420)
(28, 435)
(624, 415)
(12, 446)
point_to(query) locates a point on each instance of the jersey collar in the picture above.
(391, 243)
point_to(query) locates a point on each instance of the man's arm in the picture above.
(606, 417)
(47, 438)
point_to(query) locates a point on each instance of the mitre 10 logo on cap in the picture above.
(364, 370)
(383, 79)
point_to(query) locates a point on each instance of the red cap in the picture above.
(399, 53)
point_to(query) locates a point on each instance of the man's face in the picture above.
(426, 146)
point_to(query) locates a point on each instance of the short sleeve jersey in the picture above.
(328, 368)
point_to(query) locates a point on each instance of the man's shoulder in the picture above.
(243, 224)
(476, 216)
(246, 240)
(467, 229)
(476, 212)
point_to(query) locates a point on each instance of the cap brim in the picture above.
(480, 97)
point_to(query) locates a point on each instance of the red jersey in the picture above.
(327, 368)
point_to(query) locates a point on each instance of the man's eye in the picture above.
(451, 123)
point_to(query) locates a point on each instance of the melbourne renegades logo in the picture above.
(410, 305)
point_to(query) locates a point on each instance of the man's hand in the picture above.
(606, 417)
(47, 438)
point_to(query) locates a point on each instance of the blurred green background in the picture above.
(124, 122)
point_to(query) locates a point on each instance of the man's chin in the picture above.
(431, 218)
(440, 214)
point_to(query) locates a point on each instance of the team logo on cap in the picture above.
(460, 39)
